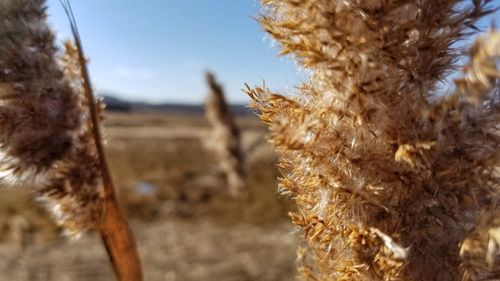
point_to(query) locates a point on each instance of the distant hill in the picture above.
(116, 104)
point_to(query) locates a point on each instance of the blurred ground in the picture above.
(187, 227)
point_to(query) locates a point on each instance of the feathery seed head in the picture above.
(388, 178)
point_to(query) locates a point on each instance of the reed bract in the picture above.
(393, 179)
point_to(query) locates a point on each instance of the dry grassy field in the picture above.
(187, 226)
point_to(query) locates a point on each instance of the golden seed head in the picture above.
(388, 178)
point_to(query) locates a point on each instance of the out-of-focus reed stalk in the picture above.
(49, 131)
(226, 138)
(113, 226)
(392, 180)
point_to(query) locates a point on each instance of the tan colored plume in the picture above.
(390, 176)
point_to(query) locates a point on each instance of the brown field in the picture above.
(186, 225)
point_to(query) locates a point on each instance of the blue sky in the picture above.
(158, 50)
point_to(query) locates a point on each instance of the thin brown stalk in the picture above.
(115, 232)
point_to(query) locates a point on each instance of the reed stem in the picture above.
(115, 231)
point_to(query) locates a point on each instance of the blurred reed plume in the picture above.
(226, 138)
(74, 190)
(393, 180)
(49, 124)
(44, 130)
(40, 114)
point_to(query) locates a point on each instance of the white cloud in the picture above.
(134, 73)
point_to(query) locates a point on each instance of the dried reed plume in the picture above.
(390, 178)
(226, 138)
(49, 125)
(45, 135)
(40, 115)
